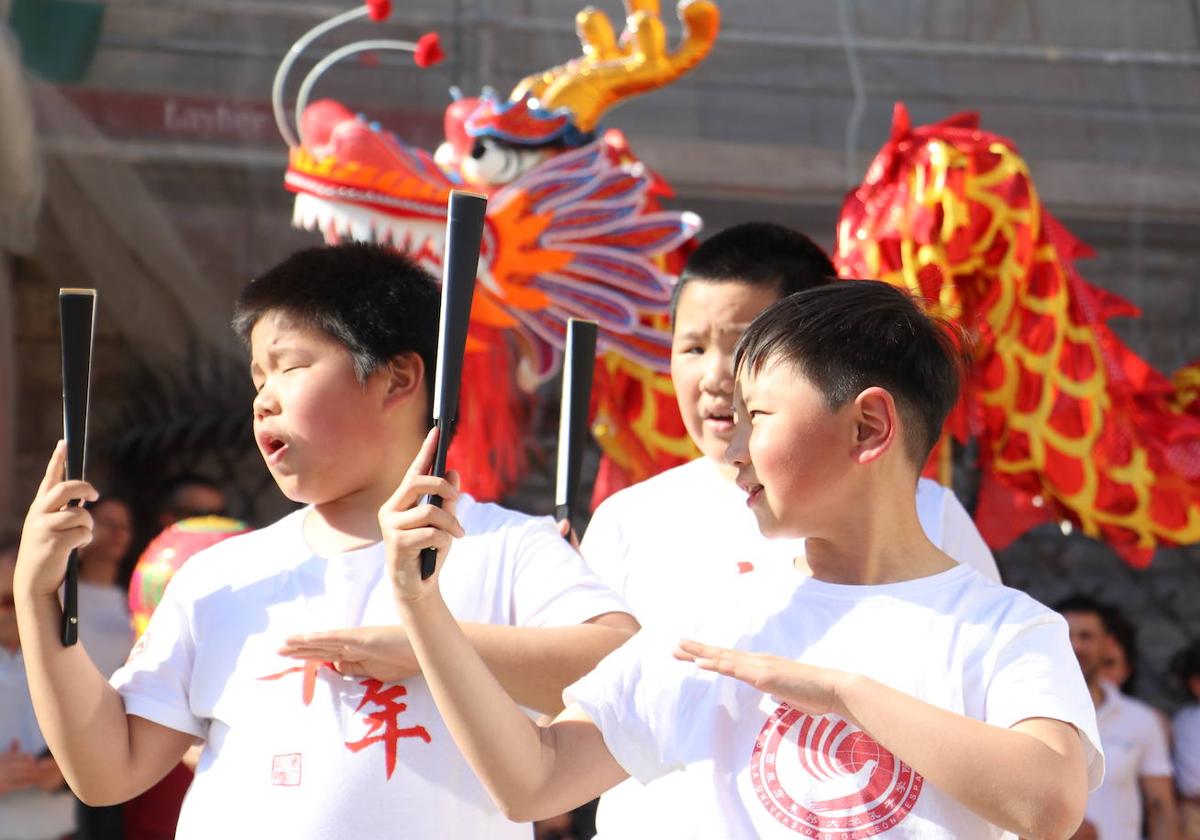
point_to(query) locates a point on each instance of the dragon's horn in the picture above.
(376, 10)
(611, 69)
(426, 50)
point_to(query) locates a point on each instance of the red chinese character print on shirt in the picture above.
(382, 720)
(382, 724)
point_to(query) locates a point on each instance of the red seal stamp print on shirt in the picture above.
(824, 778)
(285, 770)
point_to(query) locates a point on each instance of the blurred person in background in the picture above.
(105, 629)
(104, 621)
(191, 495)
(1118, 659)
(1138, 772)
(35, 803)
(1118, 662)
(1187, 743)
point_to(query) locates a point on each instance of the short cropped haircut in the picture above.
(1186, 664)
(851, 335)
(172, 493)
(1082, 604)
(757, 254)
(376, 302)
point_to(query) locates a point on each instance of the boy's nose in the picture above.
(264, 404)
(736, 452)
(718, 375)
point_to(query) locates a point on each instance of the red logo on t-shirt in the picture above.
(285, 770)
(823, 777)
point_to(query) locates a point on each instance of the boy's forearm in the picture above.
(535, 664)
(1009, 778)
(81, 716)
(504, 747)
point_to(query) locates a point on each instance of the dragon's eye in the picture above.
(496, 162)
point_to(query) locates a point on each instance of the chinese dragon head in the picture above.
(574, 228)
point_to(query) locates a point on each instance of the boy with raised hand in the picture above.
(666, 542)
(342, 344)
(897, 693)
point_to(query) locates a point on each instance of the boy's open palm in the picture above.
(806, 687)
(408, 527)
(53, 528)
(381, 653)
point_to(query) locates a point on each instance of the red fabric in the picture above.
(153, 815)
(488, 450)
(609, 479)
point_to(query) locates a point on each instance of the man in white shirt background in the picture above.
(1186, 727)
(1138, 774)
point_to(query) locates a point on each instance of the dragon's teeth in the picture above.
(337, 221)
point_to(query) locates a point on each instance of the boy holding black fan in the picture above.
(892, 693)
(668, 541)
(342, 347)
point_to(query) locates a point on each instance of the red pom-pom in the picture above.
(429, 50)
(379, 9)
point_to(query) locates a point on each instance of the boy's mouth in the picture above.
(719, 419)
(273, 448)
(753, 492)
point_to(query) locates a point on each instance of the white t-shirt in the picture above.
(953, 639)
(29, 814)
(356, 758)
(105, 627)
(1186, 728)
(665, 543)
(1134, 746)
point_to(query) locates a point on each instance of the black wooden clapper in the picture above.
(77, 320)
(573, 419)
(460, 262)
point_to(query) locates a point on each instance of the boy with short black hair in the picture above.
(342, 344)
(644, 539)
(903, 696)
(667, 541)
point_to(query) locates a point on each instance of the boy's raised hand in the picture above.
(408, 526)
(806, 687)
(52, 529)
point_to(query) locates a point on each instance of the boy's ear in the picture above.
(876, 424)
(405, 377)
